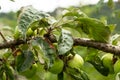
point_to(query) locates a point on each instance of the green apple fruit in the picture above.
(75, 62)
(107, 61)
(57, 67)
(29, 32)
(117, 66)
(17, 33)
(30, 72)
(35, 32)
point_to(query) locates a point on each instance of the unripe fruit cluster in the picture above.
(107, 60)
(75, 62)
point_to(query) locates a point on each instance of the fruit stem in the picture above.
(60, 76)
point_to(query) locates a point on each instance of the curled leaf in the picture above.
(30, 17)
(65, 42)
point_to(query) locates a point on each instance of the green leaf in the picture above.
(112, 27)
(117, 76)
(95, 60)
(74, 73)
(95, 28)
(40, 73)
(91, 54)
(25, 60)
(9, 72)
(77, 74)
(19, 61)
(99, 67)
(97, 63)
(29, 58)
(3, 76)
(1, 72)
(30, 17)
(73, 12)
(17, 34)
(115, 39)
(30, 72)
(7, 55)
(47, 50)
(65, 42)
(84, 75)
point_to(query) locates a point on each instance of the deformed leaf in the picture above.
(95, 60)
(25, 60)
(97, 63)
(99, 67)
(29, 58)
(65, 42)
(74, 73)
(48, 51)
(84, 75)
(28, 16)
(77, 74)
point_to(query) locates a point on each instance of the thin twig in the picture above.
(3, 37)
(98, 45)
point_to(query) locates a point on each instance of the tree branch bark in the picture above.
(11, 44)
(98, 45)
(77, 42)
